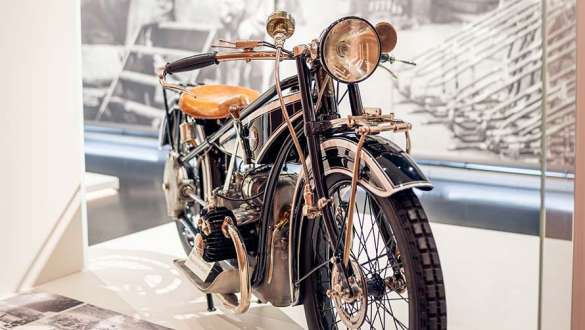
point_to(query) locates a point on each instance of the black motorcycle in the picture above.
(278, 196)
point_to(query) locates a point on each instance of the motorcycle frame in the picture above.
(315, 132)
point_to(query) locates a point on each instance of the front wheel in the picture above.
(395, 249)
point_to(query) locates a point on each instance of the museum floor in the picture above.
(134, 275)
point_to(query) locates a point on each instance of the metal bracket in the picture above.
(317, 127)
(323, 202)
(347, 241)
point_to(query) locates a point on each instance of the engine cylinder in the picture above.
(214, 245)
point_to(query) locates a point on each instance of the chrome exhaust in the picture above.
(226, 282)
(230, 230)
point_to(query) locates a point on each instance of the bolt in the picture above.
(331, 293)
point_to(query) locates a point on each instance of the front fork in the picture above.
(313, 143)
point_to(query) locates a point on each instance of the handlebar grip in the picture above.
(192, 63)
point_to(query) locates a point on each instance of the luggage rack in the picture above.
(374, 122)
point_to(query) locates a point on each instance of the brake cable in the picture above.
(286, 117)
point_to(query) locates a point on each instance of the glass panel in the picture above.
(474, 98)
(126, 42)
(559, 141)
(123, 43)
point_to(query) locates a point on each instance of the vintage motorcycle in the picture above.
(277, 195)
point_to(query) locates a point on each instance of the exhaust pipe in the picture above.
(225, 283)
(230, 230)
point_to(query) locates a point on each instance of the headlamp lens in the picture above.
(350, 50)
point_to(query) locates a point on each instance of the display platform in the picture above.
(134, 275)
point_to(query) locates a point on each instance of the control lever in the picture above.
(239, 44)
(391, 59)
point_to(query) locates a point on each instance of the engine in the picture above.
(243, 203)
(214, 239)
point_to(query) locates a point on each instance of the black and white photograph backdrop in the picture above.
(126, 41)
(475, 94)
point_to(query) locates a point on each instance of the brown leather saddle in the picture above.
(215, 101)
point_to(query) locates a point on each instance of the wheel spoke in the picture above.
(374, 246)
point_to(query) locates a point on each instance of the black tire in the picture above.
(186, 228)
(186, 240)
(406, 219)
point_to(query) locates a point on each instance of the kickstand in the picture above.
(210, 305)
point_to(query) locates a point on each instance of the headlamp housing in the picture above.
(350, 49)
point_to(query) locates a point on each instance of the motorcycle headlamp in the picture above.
(350, 49)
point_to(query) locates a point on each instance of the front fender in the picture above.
(385, 169)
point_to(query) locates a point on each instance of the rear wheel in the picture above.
(198, 171)
(395, 249)
(186, 235)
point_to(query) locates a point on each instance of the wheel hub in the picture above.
(376, 286)
(351, 300)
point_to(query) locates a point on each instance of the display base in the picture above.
(491, 282)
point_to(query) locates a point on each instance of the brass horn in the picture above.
(280, 26)
(388, 36)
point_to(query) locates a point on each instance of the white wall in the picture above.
(42, 210)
